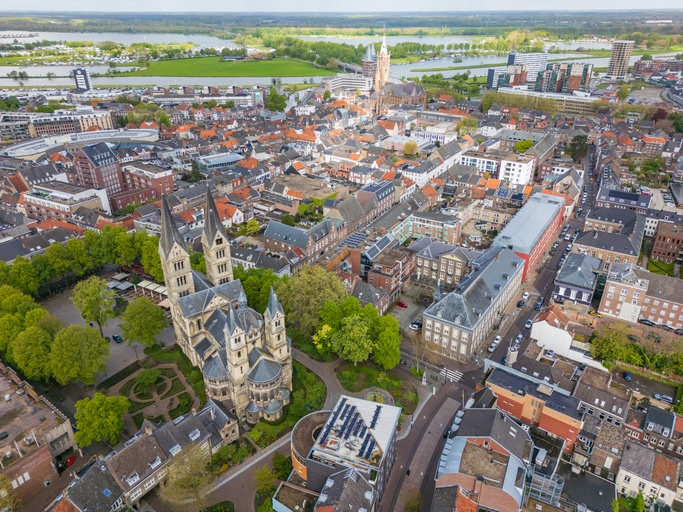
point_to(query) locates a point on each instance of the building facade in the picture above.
(619, 61)
(383, 67)
(97, 166)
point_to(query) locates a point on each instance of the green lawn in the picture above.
(666, 269)
(213, 66)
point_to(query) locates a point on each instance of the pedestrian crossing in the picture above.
(451, 375)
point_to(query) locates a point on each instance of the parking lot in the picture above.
(643, 385)
(646, 96)
(662, 200)
(417, 298)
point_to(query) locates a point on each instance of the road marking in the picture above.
(451, 375)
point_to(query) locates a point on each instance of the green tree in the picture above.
(352, 341)
(78, 353)
(646, 57)
(195, 174)
(142, 322)
(578, 147)
(282, 465)
(257, 283)
(95, 301)
(78, 255)
(24, 276)
(524, 145)
(387, 350)
(275, 102)
(197, 262)
(623, 92)
(638, 503)
(99, 418)
(146, 378)
(264, 478)
(327, 95)
(151, 260)
(188, 479)
(609, 343)
(252, 227)
(10, 327)
(468, 124)
(410, 148)
(288, 220)
(31, 353)
(304, 295)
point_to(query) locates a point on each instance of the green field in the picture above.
(213, 66)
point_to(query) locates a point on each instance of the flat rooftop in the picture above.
(23, 418)
(481, 462)
(306, 430)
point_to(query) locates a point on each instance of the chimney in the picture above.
(148, 430)
(212, 414)
(595, 234)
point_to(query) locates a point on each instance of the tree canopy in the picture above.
(142, 322)
(578, 147)
(78, 353)
(524, 145)
(275, 102)
(256, 283)
(94, 300)
(99, 418)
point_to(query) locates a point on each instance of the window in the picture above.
(641, 485)
(627, 479)
(136, 494)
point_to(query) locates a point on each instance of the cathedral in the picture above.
(245, 356)
(383, 69)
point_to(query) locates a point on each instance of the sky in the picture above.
(347, 6)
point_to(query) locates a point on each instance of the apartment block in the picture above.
(59, 200)
(97, 166)
(518, 169)
(667, 243)
(565, 77)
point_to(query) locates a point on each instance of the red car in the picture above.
(70, 461)
(401, 304)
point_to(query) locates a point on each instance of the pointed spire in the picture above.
(233, 321)
(242, 301)
(169, 230)
(383, 50)
(273, 304)
(212, 223)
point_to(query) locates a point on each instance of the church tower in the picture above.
(276, 337)
(215, 244)
(236, 356)
(175, 258)
(382, 74)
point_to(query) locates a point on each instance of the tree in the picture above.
(195, 174)
(78, 353)
(146, 378)
(387, 350)
(288, 220)
(8, 498)
(303, 296)
(524, 145)
(257, 283)
(646, 57)
(151, 260)
(188, 479)
(99, 418)
(410, 148)
(275, 102)
(142, 322)
(263, 478)
(638, 503)
(608, 343)
(468, 125)
(327, 95)
(623, 92)
(578, 147)
(252, 227)
(31, 353)
(352, 341)
(282, 465)
(94, 300)
(24, 276)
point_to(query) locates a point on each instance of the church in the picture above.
(245, 356)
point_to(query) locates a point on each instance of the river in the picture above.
(199, 40)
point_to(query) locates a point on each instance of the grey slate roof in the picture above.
(99, 154)
(97, 489)
(169, 230)
(498, 426)
(177, 433)
(212, 224)
(263, 371)
(579, 270)
(194, 304)
(658, 420)
(289, 234)
(274, 306)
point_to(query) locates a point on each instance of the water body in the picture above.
(200, 40)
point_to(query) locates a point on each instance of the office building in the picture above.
(508, 77)
(346, 84)
(457, 324)
(82, 79)
(536, 62)
(96, 166)
(619, 61)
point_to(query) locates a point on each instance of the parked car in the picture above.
(666, 327)
(549, 353)
(525, 295)
(679, 332)
(627, 376)
(519, 338)
(402, 304)
(594, 313)
(70, 461)
(633, 338)
(663, 398)
(416, 326)
(569, 247)
(645, 321)
(520, 304)
(497, 339)
(528, 324)
(539, 304)
(117, 338)
(492, 348)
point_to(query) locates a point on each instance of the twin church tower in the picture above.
(245, 356)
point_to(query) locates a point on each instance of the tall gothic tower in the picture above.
(276, 337)
(175, 258)
(382, 74)
(215, 244)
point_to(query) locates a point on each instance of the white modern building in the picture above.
(537, 62)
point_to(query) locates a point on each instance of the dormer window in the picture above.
(155, 463)
(175, 450)
(134, 478)
(194, 435)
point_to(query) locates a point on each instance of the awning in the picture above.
(120, 277)
(144, 284)
(112, 284)
(166, 304)
(154, 287)
(162, 290)
(124, 286)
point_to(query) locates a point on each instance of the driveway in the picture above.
(643, 385)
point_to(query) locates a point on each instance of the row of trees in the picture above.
(81, 256)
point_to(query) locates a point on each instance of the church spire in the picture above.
(169, 231)
(273, 305)
(212, 224)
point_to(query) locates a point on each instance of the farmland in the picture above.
(214, 66)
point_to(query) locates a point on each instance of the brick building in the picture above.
(97, 166)
(667, 244)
